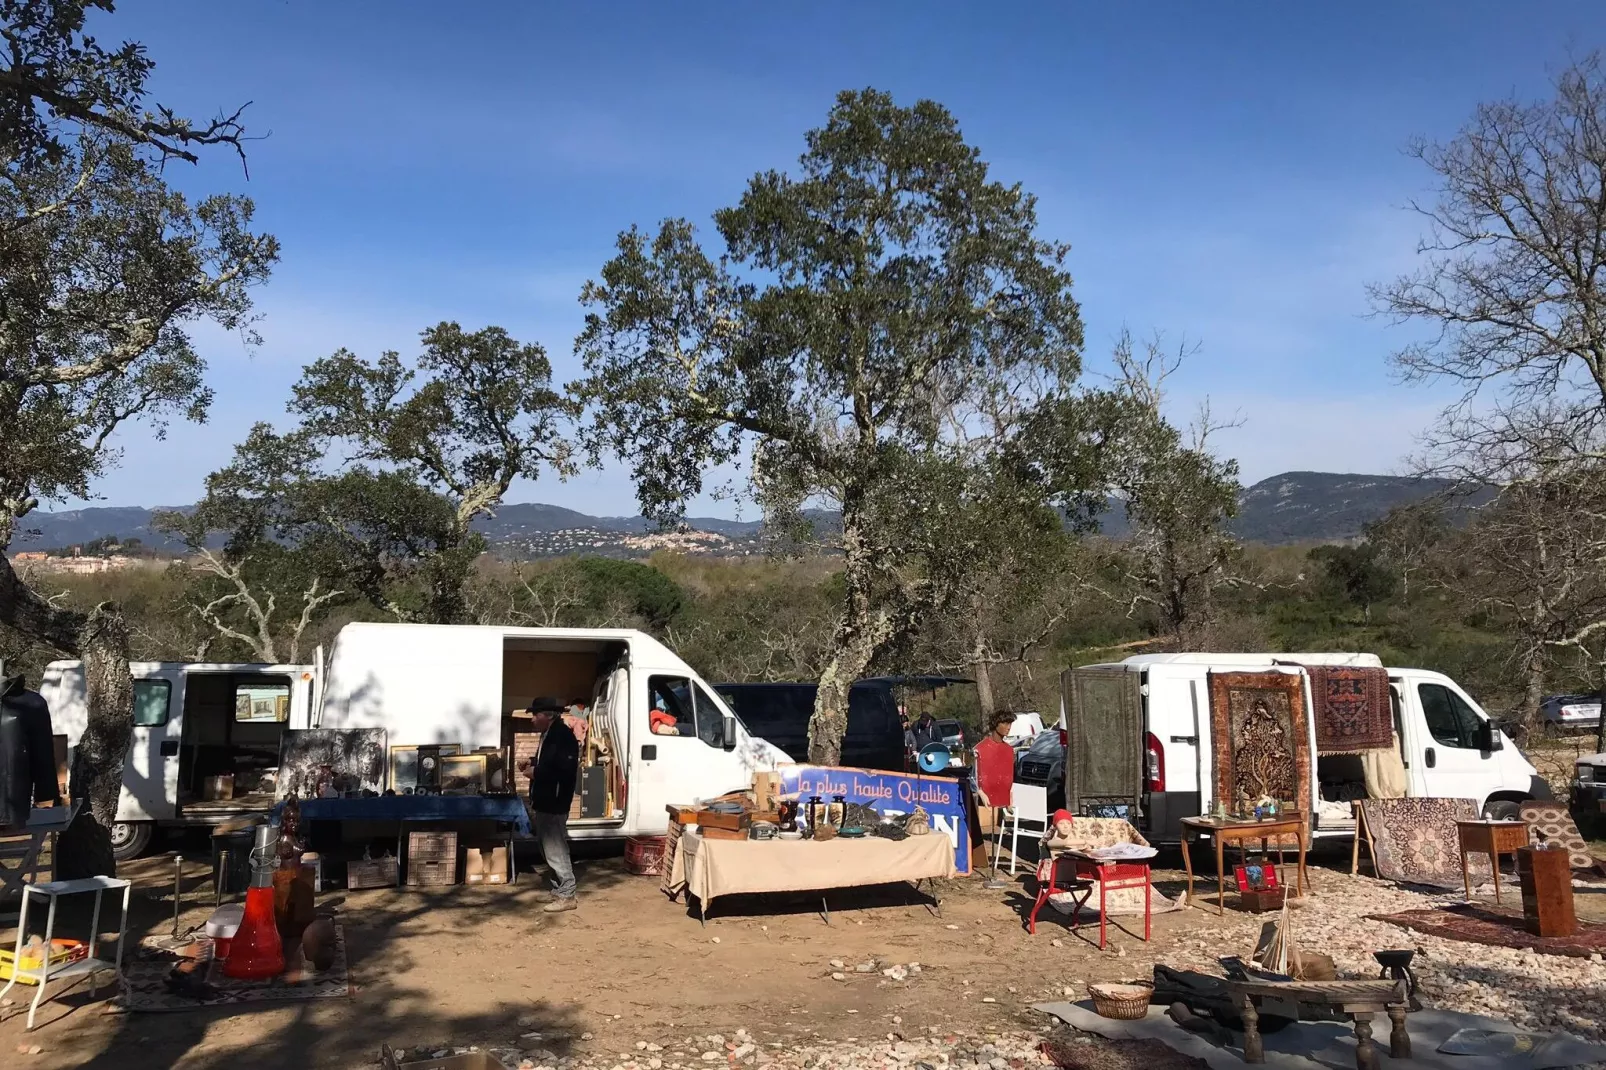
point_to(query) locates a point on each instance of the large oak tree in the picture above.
(875, 335)
(102, 269)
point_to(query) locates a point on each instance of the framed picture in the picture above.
(1255, 877)
(463, 774)
(403, 769)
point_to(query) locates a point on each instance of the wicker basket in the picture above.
(1123, 1002)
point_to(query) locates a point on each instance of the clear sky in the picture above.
(1231, 172)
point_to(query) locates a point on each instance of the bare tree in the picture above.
(260, 610)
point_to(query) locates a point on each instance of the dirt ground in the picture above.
(483, 965)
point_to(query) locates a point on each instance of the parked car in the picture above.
(1043, 763)
(1570, 711)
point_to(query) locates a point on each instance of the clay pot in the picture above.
(318, 943)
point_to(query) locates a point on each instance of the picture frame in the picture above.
(1256, 877)
(463, 774)
(403, 770)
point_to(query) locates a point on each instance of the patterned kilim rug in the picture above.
(1549, 822)
(1260, 739)
(1500, 927)
(146, 986)
(1415, 840)
(1352, 710)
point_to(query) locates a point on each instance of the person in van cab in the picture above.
(552, 777)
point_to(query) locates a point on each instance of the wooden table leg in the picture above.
(1221, 874)
(1187, 867)
(1303, 877)
(1494, 869)
(1399, 1039)
(1466, 877)
(1365, 1050)
(1254, 1052)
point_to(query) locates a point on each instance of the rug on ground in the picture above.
(1351, 708)
(146, 985)
(1498, 927)
(1259, 740)
(1415, 840)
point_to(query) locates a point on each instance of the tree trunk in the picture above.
(96, 777)
(1534, 687)
(984, 692)
(857, 639)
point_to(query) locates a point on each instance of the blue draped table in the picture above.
(423, 809)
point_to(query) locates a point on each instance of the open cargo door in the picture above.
(1104, 731)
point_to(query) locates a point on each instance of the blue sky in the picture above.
(1230, 172)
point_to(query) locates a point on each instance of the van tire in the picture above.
(1501, 810)
(129, 839)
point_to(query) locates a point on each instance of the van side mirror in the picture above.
(730, 732)
(1491, 740)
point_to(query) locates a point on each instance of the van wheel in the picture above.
(129, 839)
(1501, 810)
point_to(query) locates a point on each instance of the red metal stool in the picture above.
(1085, 875)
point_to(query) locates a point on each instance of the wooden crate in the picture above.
(371, 873)
(431, 874)
(431, 847)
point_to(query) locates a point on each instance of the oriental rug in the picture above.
(1352, 709)
(1498, 927)
(1415, 840)
(1550, 822)
(147, 979)
(1259, 740)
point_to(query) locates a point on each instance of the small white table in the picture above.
(46, 970)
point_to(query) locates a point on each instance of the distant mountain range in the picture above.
(1288, 508)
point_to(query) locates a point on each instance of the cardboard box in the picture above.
(485, 865)
(766, 792)
(391, 1059)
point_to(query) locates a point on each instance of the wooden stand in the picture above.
(1359, 1000)
(1547, 891)
(1292, 823)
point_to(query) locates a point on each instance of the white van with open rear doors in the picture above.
(461, 685)
(205, 739)
(1155, 752)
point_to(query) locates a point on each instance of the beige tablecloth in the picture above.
(712, 868)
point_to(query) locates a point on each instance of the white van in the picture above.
(1448, 745)
(193, 726)
(429, 684)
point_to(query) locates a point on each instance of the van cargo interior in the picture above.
(233, 724)
(588, 678)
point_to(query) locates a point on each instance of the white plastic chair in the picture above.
(1029, 803)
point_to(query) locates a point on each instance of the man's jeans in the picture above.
(553, 829)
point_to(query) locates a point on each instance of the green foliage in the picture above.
(642, 589)
(1357, 574)
(884, 332)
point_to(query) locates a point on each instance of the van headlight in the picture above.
(1586, 773)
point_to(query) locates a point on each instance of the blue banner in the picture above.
(893, 794)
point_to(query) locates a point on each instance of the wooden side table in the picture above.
(1222, 832)
(1492, 838)
(1547, 891)
(1360, 1000)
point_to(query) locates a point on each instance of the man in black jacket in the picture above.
(552, 777)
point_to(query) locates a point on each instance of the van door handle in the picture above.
(169, 748)
(649, 752)
(1430, 757)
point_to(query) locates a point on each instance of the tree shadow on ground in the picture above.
(383, 1007)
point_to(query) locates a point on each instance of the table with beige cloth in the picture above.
(709, 869)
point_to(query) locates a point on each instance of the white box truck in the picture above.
(424, 684)
(1449, 747)
(197, 727)
(429, 684)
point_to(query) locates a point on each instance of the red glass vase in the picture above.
(256, 954)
